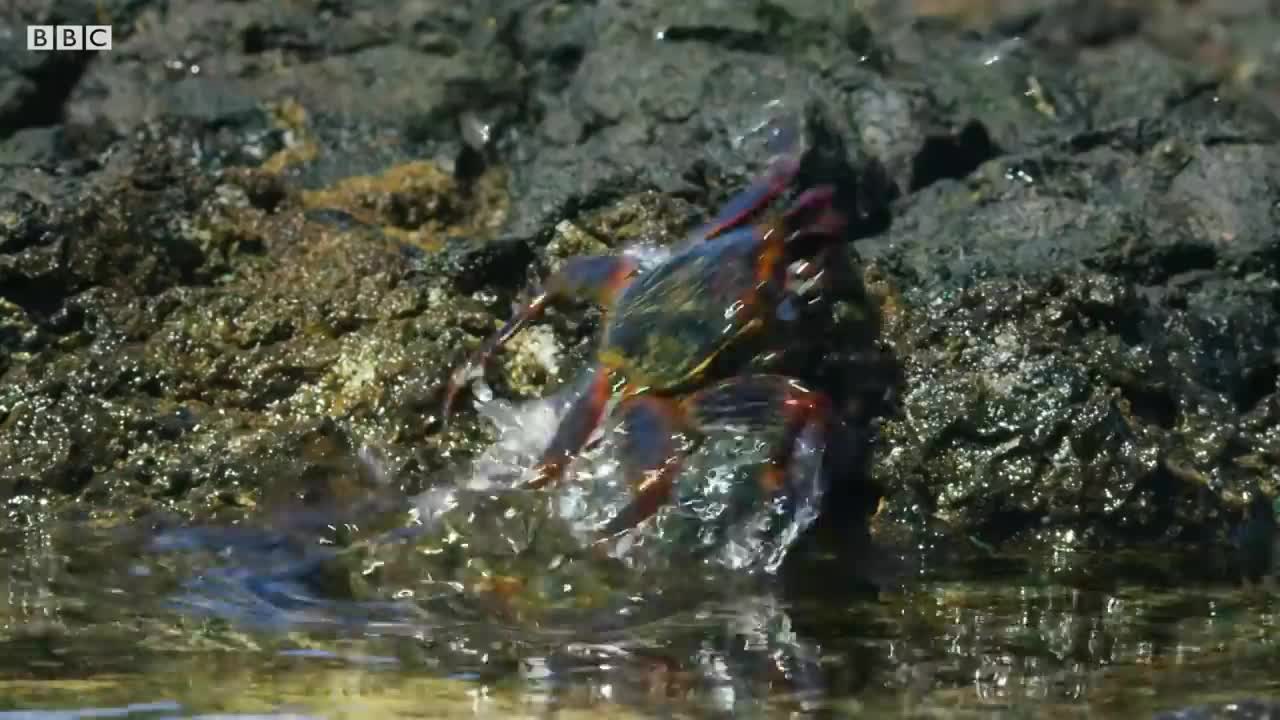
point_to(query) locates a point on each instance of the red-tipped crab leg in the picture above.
(814, 232)
(814, 213)
(652, 453)
(762, 404)
(811, 215)
(579, 422)
(742, 206)
(596, 277)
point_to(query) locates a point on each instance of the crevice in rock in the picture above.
(1256, 385)
(567, 59)
(1160, 265)
(1157, 517)
(40, 297)
(1154, 404)
(499, 263)
(1007, 523)
(943, 157)
(726, 38)
(77, 477)
(52, 82)
(258, 39)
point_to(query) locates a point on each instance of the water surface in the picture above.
(98, 622)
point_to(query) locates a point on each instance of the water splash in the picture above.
(477, 562)
(718, 513)
(777, 127)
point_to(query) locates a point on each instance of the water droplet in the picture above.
(476, 133)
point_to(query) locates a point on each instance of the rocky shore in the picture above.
(253, 232)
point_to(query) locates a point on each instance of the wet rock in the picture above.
(367, 63)
(169, 284)
(1075, 351)
(250, 219)
(667, 98)
(34, 85)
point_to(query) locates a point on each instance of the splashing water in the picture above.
(717, 514)
(490, 563)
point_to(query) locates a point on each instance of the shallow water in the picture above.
(357, 614)
(89, 629)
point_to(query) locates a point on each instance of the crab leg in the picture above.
(816, 237)
(762, 403)
(652, 455)
(817, 201)
(746, 203)
(577, 425)
(651, 451)
(595, 277)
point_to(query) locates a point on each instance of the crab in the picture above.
(665, 329)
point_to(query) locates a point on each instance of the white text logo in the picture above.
(68, 37)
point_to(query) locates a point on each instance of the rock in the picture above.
(251, 220)
(1100, 347)
(35, 86)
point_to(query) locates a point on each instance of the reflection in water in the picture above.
(472, 601)
(1030, 637)
(484, 579)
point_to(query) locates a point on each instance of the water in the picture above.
(85, 632)
(472, 601)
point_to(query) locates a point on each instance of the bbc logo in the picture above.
(68, 37)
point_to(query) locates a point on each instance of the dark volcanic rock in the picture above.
(672, 97)
(35, 86)
(1092, 336)
(251, 220)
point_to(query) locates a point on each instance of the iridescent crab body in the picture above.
(670, 323)
(665, 329)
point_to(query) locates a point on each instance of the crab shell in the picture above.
(669, 324)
